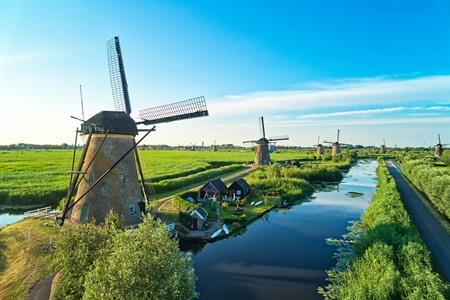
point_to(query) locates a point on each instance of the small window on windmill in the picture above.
(132, 209)
(91, 178)
(122, 178)
(238, 192)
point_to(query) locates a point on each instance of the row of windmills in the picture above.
(109, 176)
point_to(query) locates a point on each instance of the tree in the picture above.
(144, 263)
(77, 247)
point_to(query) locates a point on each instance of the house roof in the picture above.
(242, 183)
(217, 184)
(201, 212)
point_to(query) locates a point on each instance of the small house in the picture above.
(215, 188)
(199, 218)
(239, 189)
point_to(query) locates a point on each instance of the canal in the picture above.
(284, 255)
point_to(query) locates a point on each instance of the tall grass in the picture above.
(383, 257)
(432, 181)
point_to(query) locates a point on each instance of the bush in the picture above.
(111, 263)
(142, 264)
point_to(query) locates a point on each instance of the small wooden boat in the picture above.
(258, 203)
(216, 233)
(225, 229)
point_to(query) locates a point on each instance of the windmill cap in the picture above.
(118, 122)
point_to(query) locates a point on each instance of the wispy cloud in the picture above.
(352, 113)
(27, 57)
(347, 93)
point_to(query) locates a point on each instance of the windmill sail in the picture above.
(119, 84)
(188, 109)
(261, 127)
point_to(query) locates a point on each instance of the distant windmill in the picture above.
(262, 155)
(193, 146)
(336, 146)
(383, 147)
(106, 178)
(439, 149)
(214, 146)
(319, 147)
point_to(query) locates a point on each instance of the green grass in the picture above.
(41, 176)
(23, 260)
(383, 256)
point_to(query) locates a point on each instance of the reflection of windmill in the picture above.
(336, 146)
(262, 156)
(319, 147)
(438, 149)
(109, 165)
(383, 147)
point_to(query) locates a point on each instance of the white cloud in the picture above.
(373, 91)
(352, 113)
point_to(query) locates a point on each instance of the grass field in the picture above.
(23, 258)
(41, 176)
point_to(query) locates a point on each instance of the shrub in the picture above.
(142, 264)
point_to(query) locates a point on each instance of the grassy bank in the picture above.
(383, 257)
(24, 256)
(432, 180)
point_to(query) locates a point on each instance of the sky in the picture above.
(374, 69)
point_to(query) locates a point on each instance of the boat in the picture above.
(216, 233)
(225, 229)
(253, 203)
(258, 203)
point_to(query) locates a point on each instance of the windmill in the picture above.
(319, 147)
(214, 146)
(438, 149)
(336, 146)
(383, 147)
(108, 172)
(262, 156)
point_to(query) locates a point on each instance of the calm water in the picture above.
(284, 255)
(8, 218)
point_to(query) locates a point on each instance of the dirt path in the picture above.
(427, 223)
(41, 290)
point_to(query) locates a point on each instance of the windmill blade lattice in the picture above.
(188, 109)
(119, 84)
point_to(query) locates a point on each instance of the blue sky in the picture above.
(372, 68)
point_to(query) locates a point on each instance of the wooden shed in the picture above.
(199, 218)
(239, 189)
(215, 188)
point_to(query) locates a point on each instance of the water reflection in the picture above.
(284, 255)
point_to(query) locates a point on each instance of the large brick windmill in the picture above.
(336, 146)
(262, 151)
(109, 175)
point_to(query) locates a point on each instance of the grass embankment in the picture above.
(383, 256)
(24, 258)
(176, 183)
(431, 180)
(40, 177)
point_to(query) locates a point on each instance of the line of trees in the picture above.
(432, 180)
(383, 256)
